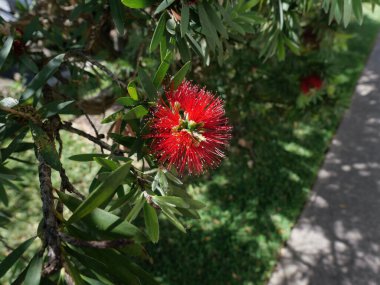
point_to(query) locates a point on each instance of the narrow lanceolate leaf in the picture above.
(136, 4)
(347, 12)
(104, 221)
(4, 52)
(172, 218)
(86, 156)
(126, 101)
(162, 69)
(29, 63)
(54, 108)
(42, 77)
(214, 18)
(74, 273)
(103, 192)
(117, 13)
(136, 113)
(3, 195)
(164, 4)
(208, 29)
(45, 147)
(107, 163)
(147, 84)
(5, 153)
(180, 75)
(185, 16)
(357, 7)
(132, 90)
(33, 275)
(151, 222)
(139, 203)
(158, 32)
(12, 258)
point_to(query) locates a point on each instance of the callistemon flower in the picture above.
(189, 129)
(311, 82)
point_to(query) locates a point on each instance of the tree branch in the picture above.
(20, 114)
(51, 238)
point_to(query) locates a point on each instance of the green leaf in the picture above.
(12, 147)
(147, 84)
(40, 79)
(171, 201)
(103, 192)
(20, 278)
(123, 140)
(104, 221)
(45, 147)
(158, 32)
(164, 4)
(163, 48)
(117, 13)
(214, 18)
(132, 91)
(171, 177)
(180, 75)
(54, 108)
(185, 17)
(183, 49)
(113, 117)
(126, 101)
(4, 52)
(12, 258)
(33, 275)
(208, 29)
(151, 222)
(29, 63)
(135, 113)
(139, 203)
(347, 12)
(74, 273)
(195, 46)
(86, 156)
(357, 7)
(137, 4)
(162, 69)
(172, 218)
(3, 195)
(107, 163)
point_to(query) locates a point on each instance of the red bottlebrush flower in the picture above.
(190, 131)
(311, 82)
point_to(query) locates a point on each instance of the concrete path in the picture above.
(337, 239)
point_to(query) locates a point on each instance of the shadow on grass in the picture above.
(256, 196)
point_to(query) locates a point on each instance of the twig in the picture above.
(66, 184)
(67, 126)
(21, 160)
(103, 68)
(101, 244)
(93, 127)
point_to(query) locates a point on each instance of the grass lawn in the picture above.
(253, 199)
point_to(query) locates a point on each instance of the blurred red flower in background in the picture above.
(311, 82)
(189, 129)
